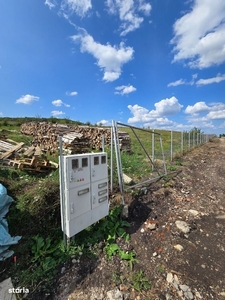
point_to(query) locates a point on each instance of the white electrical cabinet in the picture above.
(84, 187)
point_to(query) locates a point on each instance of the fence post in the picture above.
(153, 148)
(182, 142)
(111, 171)
(171, 144)
(189, 140)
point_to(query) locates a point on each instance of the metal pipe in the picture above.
(153, 148)
(143, 182)
(119, 170)
(164, 163)
(111, 158)
(62, 189)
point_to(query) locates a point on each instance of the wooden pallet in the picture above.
(8, 153)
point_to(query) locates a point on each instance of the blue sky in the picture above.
(147, 63)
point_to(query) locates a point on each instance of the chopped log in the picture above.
(78, 139)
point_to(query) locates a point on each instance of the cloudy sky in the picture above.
(148, 63)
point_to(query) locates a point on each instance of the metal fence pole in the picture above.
(62, 190)
(189, 140)
(163, 156)
(153, 148)
(118, 157)
(103, 143)
(111, 171)
(171, 144)
(182, 142)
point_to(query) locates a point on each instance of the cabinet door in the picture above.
(78, 201)
(77, 169)
(99, 168)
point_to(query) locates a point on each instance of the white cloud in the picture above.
(51, 3)
(59, 103)
(216, 115)
(176, 83)
(215, 111)
(198, 107)
(199, 36)
(161, 122)
(165, 107)
(183, 81)
(109, 58)
(104, 123)
(216, 79)
(71, 93)
(168, 106)
(79, 7)
(1, 114)
(56, 113)
(127, 11)
(125, 89)
(27, 99)
(145, 7)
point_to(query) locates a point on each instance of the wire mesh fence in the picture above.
(149, 152)
(138, 165)
(177, 143)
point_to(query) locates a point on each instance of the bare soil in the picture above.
(179, 265)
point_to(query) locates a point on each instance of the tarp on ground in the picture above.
(5, 238)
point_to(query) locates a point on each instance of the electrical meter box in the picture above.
(84, 186)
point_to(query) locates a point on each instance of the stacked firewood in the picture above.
(76, 139)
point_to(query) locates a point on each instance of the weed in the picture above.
(129, 257)
(161, 268)
(111, 250)
(43, 248)
(178, 163)
(140, 282)
(171, 168)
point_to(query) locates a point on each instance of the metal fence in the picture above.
(137, 166)
(150, 150)
(177, 143)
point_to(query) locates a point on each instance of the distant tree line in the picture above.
(7, 121)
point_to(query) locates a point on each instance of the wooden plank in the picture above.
(10, 152)
(11, 141)
(37, 151)
(29, 151)
(5, 146)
